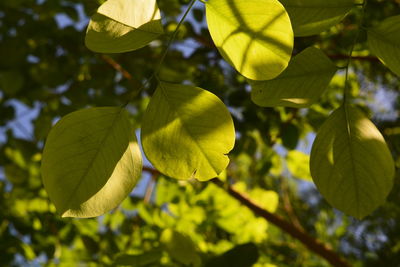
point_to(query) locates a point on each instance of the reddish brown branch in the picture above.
(310, 242)
(150, 188)
(116, 66)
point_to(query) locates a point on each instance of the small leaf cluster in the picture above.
(91, 159)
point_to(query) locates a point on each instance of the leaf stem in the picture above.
(171, 39)
(346, 91)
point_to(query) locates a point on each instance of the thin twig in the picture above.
(346, 82)
(171, 39)
(150, 188)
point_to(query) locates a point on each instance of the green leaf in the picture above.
(149, 257)
(121, 26)
(351, 164)
(244, 255)
(187, 132)
(311, 17)
(298, 164)
(254, 36)
(91, 161)
(384, 42)
(180, 247)
(300, 85)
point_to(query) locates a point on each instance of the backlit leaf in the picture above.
(91, 161)
(187, 132)
(384, 42)
(300, 85)
(254, 36)
(351, 164)
(121, 26)
(311, 17)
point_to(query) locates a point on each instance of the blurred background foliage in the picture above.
(47, 72)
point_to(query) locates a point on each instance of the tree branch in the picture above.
(359, 58)
(310, 242)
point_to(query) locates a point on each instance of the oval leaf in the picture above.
(254, 36)
(121, 26)
(384, 42)
(300, 85)
(311, 17)
(187, 132)
(91, 161)
(351, 164)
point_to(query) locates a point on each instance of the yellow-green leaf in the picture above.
(311, 17)
(123, 25)
(384, 42)
(187, 132)
(254, 36)
(298, 164)
(180, 247)
(351, 164)
(300, 85)
(91, 161)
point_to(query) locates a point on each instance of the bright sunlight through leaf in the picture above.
(91, 161)
(122, 26)
(254, 36)
(187, 132)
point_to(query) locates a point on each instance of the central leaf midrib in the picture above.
(164, 93)
(94, 157)
(353, 169)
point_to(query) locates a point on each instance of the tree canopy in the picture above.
(199, 133)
